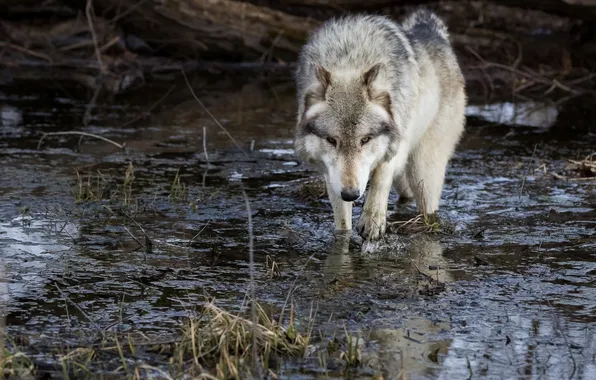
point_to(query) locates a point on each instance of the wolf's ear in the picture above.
(376, 96)
(314, 96)
(369, 77)
(324, 76)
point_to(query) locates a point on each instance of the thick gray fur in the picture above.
(353, 68)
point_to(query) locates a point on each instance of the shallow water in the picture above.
(518, 264)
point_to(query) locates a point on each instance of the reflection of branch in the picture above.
(93, 323)
(429, 278)
(134, 237)
(558, 328)
(148, 112)
(210, 114)
(148, 242)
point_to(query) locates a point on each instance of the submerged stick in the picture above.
(121, 146)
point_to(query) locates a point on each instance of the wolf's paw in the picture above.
(371, 225)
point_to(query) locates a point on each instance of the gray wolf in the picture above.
(379, 103)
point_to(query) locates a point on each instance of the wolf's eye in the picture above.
(365, 140)
(332, 141)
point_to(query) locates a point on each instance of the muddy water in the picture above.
(505, 291)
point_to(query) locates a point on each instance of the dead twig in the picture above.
(586, 169)
(586, 163)
(79, 134)
(552, 83)
(521, 190)
(27, 51)
(109, 44)
(562, 177)
(88, 11)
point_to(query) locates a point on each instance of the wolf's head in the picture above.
(346, 127)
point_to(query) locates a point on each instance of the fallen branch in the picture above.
(536, 78)
(79, 134)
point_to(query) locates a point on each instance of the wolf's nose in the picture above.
(350, 195)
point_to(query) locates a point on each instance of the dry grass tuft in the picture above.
(418, 224)
(224, 341)
(16, 365)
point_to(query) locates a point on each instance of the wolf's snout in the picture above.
(350, 195)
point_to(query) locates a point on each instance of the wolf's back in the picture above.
(427, 24)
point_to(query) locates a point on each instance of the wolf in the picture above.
(379, 103)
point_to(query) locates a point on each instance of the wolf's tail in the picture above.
(427, 21)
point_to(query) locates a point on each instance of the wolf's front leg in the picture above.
(342, 211)
(372, 222)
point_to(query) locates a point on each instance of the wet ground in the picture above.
(96, 240)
